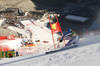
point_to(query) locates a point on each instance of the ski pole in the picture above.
(53, 45)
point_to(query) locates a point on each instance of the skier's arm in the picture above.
(68, 33)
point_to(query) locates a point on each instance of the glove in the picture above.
(60, 40)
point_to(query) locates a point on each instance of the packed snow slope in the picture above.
(86, 54)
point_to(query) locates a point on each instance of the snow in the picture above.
(86, 54)
(38, 31)
(1, 21)
(13, 43)
(16, 29)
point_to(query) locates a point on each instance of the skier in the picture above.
(74, 37)
(17, 53)
(13, 52)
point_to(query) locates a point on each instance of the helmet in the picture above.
(69, 30)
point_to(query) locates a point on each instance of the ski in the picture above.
(61, 49)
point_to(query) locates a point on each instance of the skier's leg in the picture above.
(72, 41)
(77, 40)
